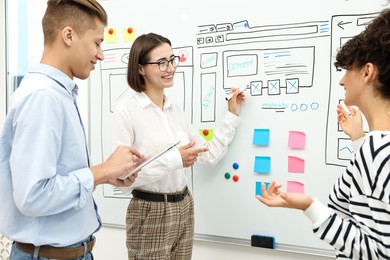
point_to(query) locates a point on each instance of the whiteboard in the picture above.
(283, 52)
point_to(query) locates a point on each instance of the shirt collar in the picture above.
(145, 101)
(56, 75)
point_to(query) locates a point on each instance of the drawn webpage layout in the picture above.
(286, 70)
(338, 149)
(288, 128)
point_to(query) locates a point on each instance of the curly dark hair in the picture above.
(370, 46)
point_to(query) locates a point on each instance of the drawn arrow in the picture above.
(340, 24)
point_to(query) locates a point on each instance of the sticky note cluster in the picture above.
(296, 141)
(112, 34)
(296, 164)
(261, 138)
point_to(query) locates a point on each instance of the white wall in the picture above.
(2, 64)
(111, 241)
(5, 243)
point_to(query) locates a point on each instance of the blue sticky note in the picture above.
(258, 187)
(262, 164)
(261, 137)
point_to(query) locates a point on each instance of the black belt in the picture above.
(56, 252)
(160, 197)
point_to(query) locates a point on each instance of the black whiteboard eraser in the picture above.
(263, 241)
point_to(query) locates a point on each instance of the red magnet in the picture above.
(235, 178)
(110, 31)
(129, 30)
(205, 132)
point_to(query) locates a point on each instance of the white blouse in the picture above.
(142, 124)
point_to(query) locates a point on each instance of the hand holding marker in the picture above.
(231, 94)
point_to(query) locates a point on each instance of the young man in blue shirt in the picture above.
(46, 180)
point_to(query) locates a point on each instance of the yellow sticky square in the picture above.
(128, 34)
(110, 35)
(207, 134)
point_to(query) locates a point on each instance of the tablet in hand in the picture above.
(151, 157)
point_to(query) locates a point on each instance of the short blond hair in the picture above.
(81, 15)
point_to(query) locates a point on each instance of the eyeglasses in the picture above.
(164, 64)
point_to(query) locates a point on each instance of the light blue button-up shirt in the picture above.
(45, 182)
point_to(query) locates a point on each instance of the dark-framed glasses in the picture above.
(163, 64)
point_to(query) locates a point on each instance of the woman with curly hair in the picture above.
(356, 221)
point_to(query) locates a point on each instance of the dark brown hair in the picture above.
(81, 15)
(370, 46)
(139, 55)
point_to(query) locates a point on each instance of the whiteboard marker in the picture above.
(231, 94)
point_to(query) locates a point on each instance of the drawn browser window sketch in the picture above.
(288, 131)
(278, 65)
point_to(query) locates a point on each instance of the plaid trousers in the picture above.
(160, 230)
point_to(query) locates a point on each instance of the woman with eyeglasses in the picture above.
(160, 216)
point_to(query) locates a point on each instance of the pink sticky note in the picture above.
(295, 187)
(296, 164)
(296, 140)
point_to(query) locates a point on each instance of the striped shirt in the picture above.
(357, 220)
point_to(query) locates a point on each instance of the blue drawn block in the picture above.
(273, 87)
(256, 88)
(292, 86)
(258, 187)
(261, 137)
(262, 164)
